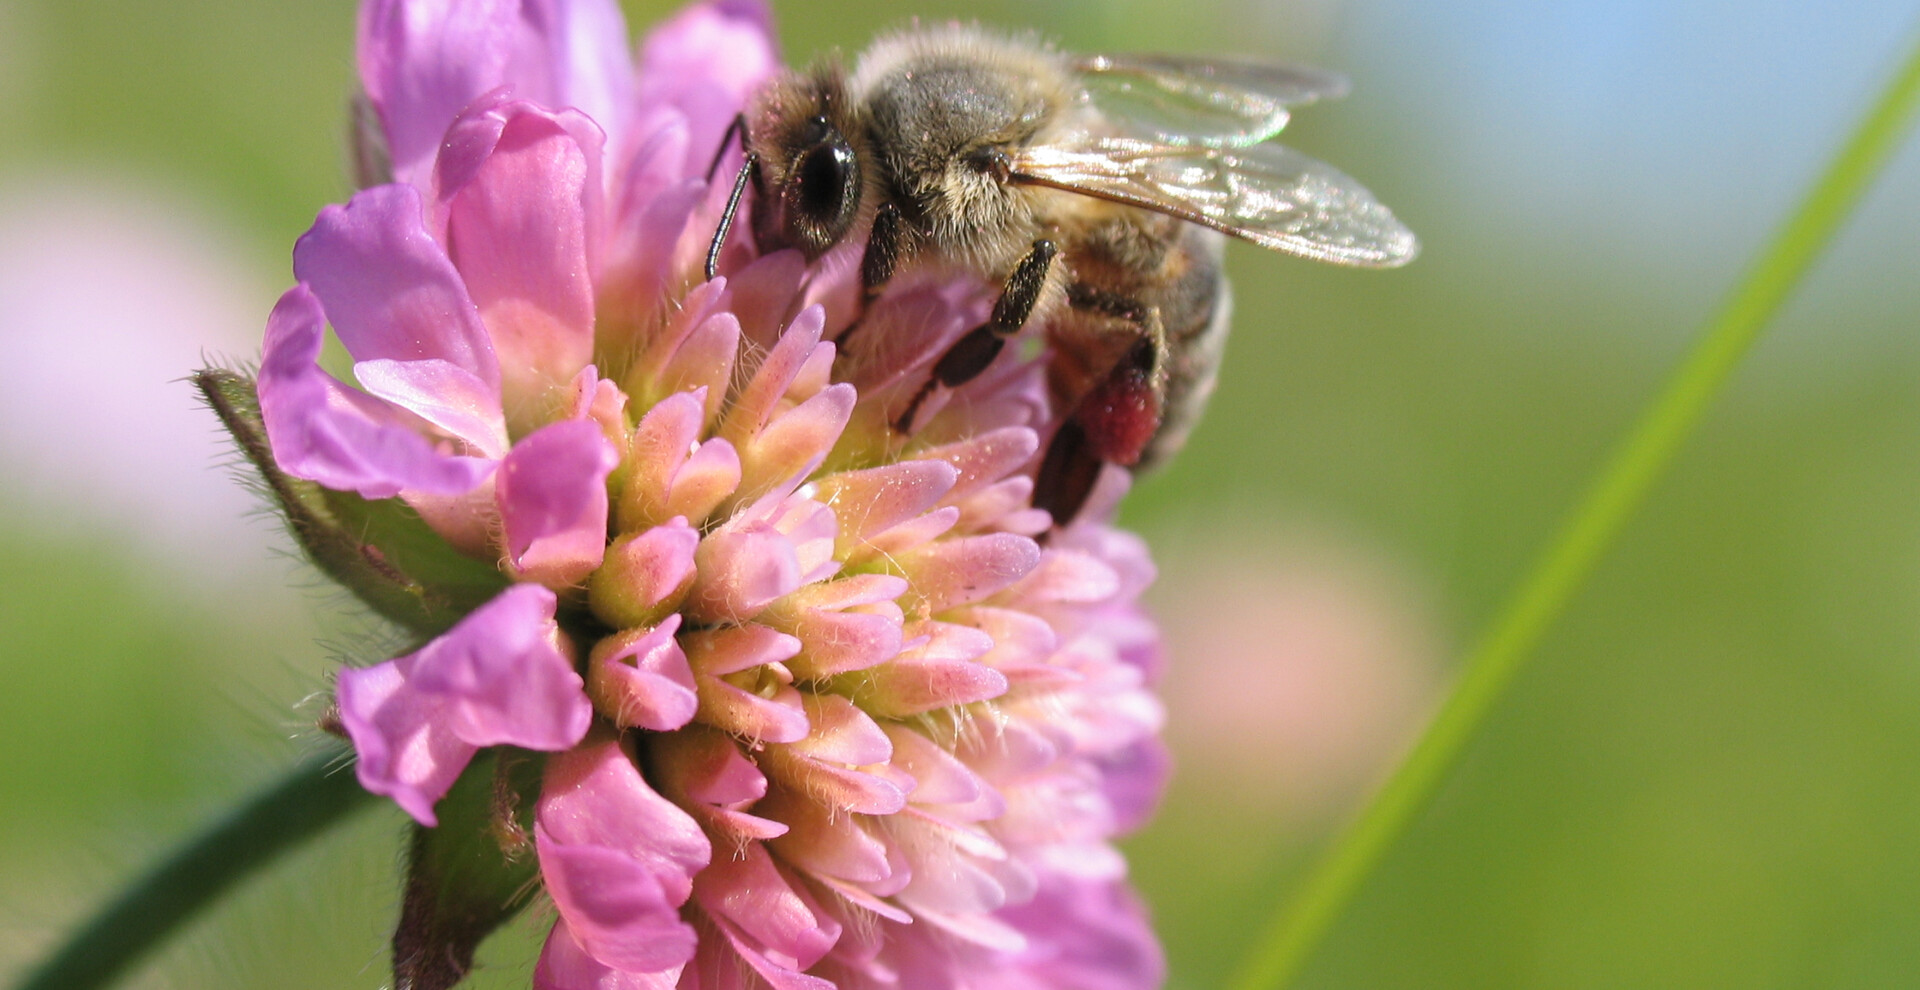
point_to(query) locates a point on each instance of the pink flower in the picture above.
(500, 677)
(822, 708)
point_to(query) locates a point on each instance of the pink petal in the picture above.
(816, 372)
(807, 523)
(1005, 504)
(875, 500)
(842, 733)
(442, 393)
(761, 293)
(602, 401)
(618, 858)
(704, 62)
(741, 571)
(469, 522)
(325, 432)
(881, 791)
(553, 501)
(706, 767)
(614, 906)
(505, 676)
(756, 403)
(730, 650)
(645, 575)
(586, 63)
(971, 926)
(952, 868)
(566, 965)
(495, 678)
(522, 192)
(905, 331)
(837, 642)
(422, 61)
(940, 777)
(778, 975)
(1015, 750)
(652, 199)
(1065, 575)
(749, 891)
(794, 443)
(640, 677)
(388, 287)
(985, 459)
(1134, 780)
(1092, 934)
(665, 480)
(406, 749)
(841, 764)
(765, 713)
(915, 532)
(659, 347)
(1019, 637)
(962, 571)
(826, 841)
(705, 361)
(710, 474)
(654, 455)
(942, 672)
(703, 770)
(593, 794)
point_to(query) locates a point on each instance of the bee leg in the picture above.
(1114, 422)
(882, 256)
(877, 264)
(970, 355)
(1067, 474)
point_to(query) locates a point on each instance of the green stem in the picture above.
(1614, 495)
(315, 795)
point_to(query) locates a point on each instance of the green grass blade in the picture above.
(1596, 521)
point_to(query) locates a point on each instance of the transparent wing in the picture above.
(1218, 103)
(1268, 194)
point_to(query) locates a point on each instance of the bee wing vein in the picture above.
(1268, 194)
(1209, 102)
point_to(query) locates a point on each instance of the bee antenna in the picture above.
(738, 128)
(726, 216)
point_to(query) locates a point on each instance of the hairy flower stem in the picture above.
(310, 799)
(1590, 529)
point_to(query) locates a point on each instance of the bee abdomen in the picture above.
(1194, 311)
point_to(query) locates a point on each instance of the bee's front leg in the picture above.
(882, 255)
(878, 262)
(970, 355)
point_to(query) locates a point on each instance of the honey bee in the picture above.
(1094, 190)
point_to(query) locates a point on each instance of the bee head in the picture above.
(809, 178)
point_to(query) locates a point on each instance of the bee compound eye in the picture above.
(825, 173)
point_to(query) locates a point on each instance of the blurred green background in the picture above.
(1707, 779)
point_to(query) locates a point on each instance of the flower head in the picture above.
(824, 708)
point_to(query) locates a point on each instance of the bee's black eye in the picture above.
(826, 179)
(823, 190)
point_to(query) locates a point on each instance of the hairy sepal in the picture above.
(379, 549)
(471, 873)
